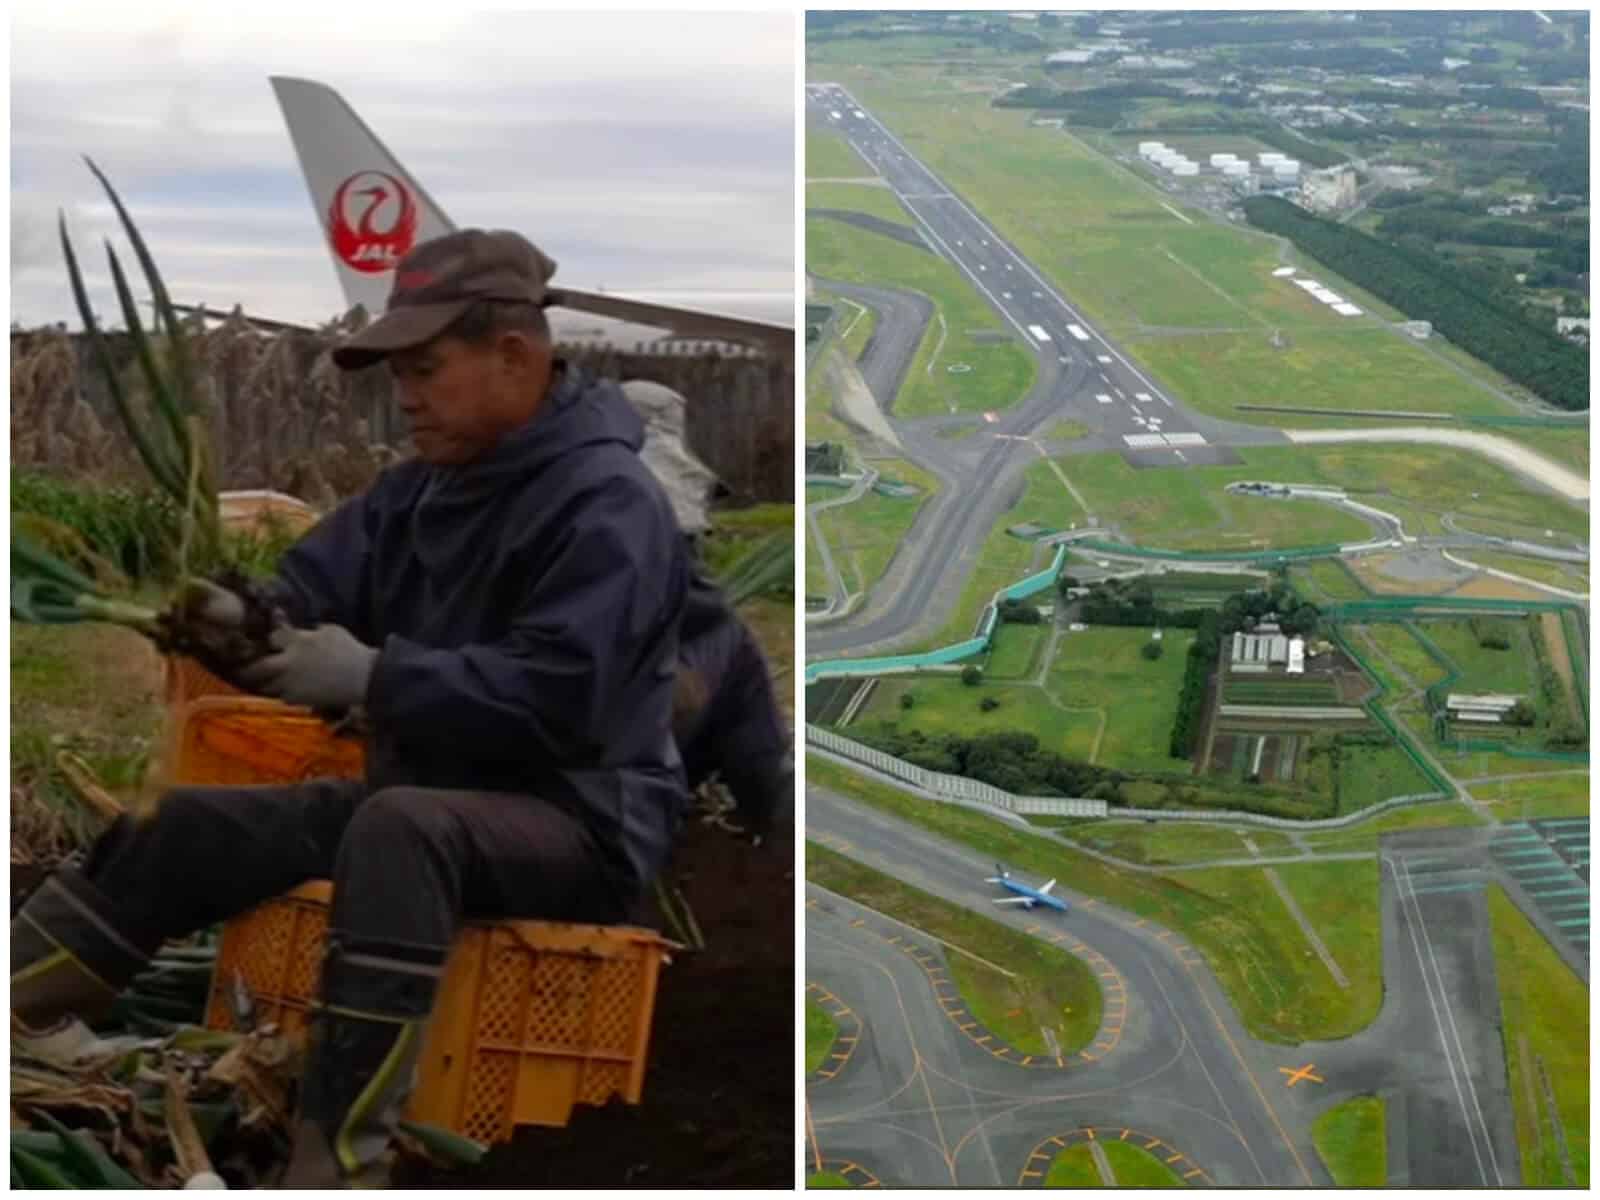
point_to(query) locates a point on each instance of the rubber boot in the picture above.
(71, 953)
(361, 1064)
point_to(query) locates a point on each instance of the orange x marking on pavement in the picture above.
(1297, 1074)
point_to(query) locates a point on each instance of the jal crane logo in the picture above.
(373, 222)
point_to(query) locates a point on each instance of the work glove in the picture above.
(205, 601)
(326, 668)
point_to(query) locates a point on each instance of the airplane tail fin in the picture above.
(370, 208)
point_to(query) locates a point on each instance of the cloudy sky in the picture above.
(645, 152)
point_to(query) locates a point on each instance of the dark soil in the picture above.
(718, 1104)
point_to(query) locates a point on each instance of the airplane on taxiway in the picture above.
(1025, 895)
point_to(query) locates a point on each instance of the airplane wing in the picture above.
(1025, 901)
(372, 211)
(1045, 890)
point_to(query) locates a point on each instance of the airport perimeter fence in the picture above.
(952, 787)
(1255, 556)
(958, 789)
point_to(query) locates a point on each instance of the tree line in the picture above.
(1492, 327)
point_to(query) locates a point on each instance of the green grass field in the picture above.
(1049, 987)
(1350, 1139)
(1543, 1002)
(829, 156)
(1101, 232)
(826, 1179)
(1240, 926)
(859, 197)
(1102, 668)
(1483, 669)
(1371, 774)
(1014, 650)
(1327, 579)
(1001, 372)
(1399, 645)
(820, 1032)
(1073, 1168)
(1136, 1167)
(864, 535)
(1437, 814)
(1574, 577)
(1536, 796)
(1171, 843)
(1340, 899)
(1351, 368)
(943, 704)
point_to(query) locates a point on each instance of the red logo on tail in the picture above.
(384, 227)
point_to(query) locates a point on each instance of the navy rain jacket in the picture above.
(526, 609)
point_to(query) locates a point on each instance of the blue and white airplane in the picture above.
(1025, 895)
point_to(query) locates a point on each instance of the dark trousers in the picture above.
(740, 731)
(408, 865)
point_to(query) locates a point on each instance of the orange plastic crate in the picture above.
(187, 680)
(532, 1017)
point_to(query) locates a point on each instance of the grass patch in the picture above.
(1001, 371)
(1487, 670)
(1340, 899)
(1371, 774)
(1066, 431)
(1014, 650)
(1276, 963)
(943, 704)
(1350, 1139)
(1536, 796)
(859, 197)
(826, 1179)
(1170, 843)
(1436, 814)
(1327, 579)
(1399, 645)
(865, 534)
(829, 156)
(1542, 1001)
(1574, 577)
(1050, 988)
(1248, 938)
(821, 1029)
(1101, 667)
(1136, 1167)
(1073, 1168)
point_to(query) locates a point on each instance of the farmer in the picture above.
(507, 609)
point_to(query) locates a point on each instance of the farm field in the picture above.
(1200, 589)
(1369, 775)
(1002, 371)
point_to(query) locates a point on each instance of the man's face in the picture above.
(463, 397)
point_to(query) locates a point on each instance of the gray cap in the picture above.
(439, 280)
